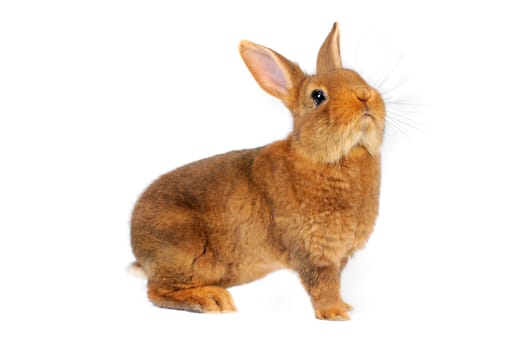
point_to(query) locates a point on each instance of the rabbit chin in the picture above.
(332, 146)
(365, 134)
(336, 150)
(370, 135)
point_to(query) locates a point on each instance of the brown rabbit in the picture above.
(305, 203)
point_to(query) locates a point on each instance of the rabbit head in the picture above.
(334, 110)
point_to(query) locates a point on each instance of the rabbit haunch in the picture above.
(305, 203)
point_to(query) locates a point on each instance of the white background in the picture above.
(98, 98)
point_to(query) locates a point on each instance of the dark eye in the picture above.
(318, 96)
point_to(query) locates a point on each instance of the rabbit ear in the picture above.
(273, 72)
(329, 53)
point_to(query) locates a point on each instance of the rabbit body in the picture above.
(304, 203)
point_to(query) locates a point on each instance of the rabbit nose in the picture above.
(362, 93)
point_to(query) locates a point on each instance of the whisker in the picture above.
(406, 124)
(382, 76)
(402, 116)
(385, 93)
(397, 127)
(356, 64)
(380, 85)
(391, 114)
(395, 102)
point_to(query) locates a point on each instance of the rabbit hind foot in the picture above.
(209, 299)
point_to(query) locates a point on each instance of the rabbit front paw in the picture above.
(337, 313)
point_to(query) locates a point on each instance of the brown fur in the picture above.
(306, 203)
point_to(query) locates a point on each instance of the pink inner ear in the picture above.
(269, 72)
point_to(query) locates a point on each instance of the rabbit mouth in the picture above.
(368, 115)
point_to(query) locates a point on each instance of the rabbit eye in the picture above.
(318, 96)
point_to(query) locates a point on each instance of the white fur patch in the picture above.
(136, 270)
